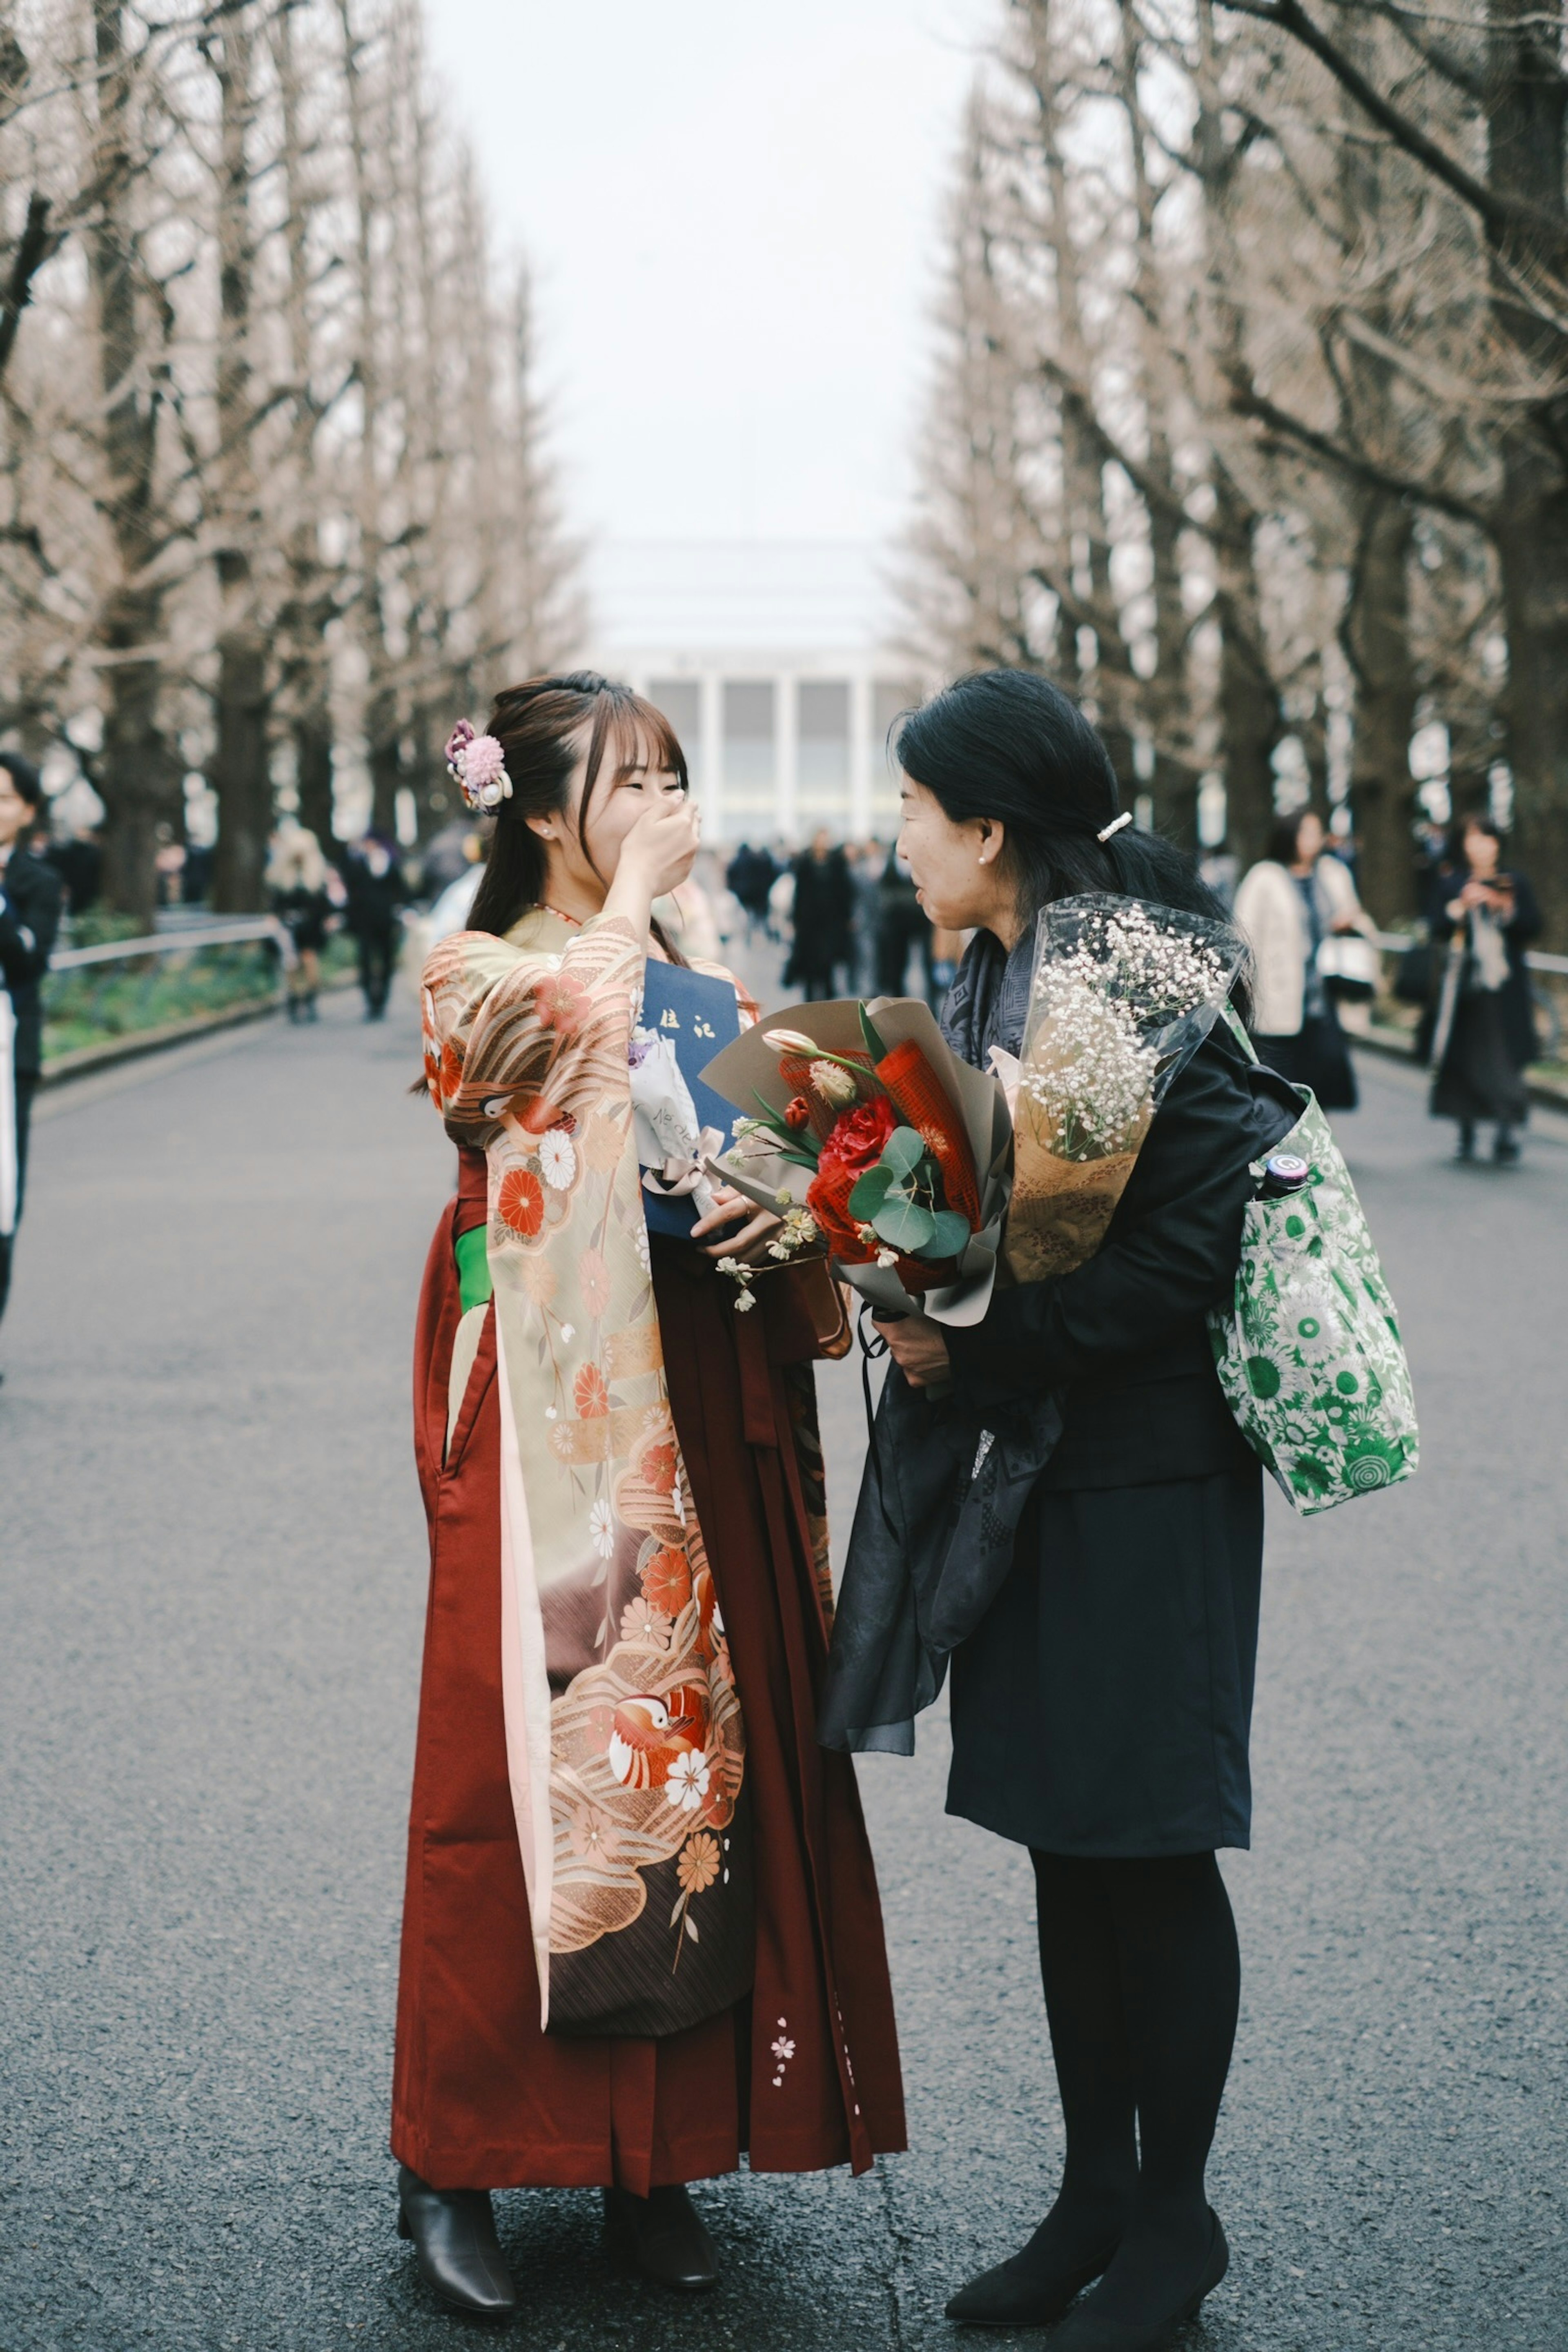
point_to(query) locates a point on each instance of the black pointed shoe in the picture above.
(455, 2246)
(1014, 2295)
(1088, 2330)
(666, 2235)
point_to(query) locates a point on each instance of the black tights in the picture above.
(1142, 1977)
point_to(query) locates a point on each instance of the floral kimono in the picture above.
(640, 1903)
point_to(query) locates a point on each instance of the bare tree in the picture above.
(1481, 118)
(275, 491)
(971, 552)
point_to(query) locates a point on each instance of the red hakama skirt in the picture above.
(805, 2072)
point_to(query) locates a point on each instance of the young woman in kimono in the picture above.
(641, 1931)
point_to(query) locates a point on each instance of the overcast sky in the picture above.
(733, 212)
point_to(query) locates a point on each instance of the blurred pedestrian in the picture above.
(78, 858)
(941, 965)
(1484, 1024)
(30, 896)
(377, 895)
(866, 863)
(1287, 906)
(900, 925)
(296, 877)
(750, 875)
(449, 855)
(824, 914)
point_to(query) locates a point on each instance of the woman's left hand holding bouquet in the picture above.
(751, 1244)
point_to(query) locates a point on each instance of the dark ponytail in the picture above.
(1008, 745)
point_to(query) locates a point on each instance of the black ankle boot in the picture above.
(664, 2234)
(1088, 2330)
(454, 2245)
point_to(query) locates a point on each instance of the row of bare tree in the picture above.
(274, 504)
(1251, 410)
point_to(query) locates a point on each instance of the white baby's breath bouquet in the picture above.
(1123, 993)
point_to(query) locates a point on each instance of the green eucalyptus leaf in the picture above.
(950, 1238)
(903, 1151)
(870, 1192)
(904, 1225)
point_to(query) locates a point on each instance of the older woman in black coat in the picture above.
(1101, 1708)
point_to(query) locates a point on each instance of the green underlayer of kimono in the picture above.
(471, 1251)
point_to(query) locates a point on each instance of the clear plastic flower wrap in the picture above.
(1123, 993)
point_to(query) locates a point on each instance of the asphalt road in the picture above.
(212, 1584)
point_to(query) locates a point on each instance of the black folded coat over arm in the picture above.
(1102, 1378)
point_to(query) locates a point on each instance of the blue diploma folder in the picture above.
(700, 1017)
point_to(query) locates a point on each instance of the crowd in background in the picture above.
(845, 919)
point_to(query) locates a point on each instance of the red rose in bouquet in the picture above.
(853, 1145)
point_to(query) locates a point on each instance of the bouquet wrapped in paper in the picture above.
(1123, 993)
(879, 1144)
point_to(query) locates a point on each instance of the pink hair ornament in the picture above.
(476, 765)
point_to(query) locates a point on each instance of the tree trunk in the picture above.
(134, 775)
(1527, 113)
(1374, 631)
(1173, 785)
(312, 733)
(385, 758)
(240, 772)
(310, 605)
(240, 775)
(137, 778)
(1251, 720)
(381, 724)
(1532, 541)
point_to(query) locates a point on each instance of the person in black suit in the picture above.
(1101, 1704)
(376, 894)
(823, 913)
(30, 918)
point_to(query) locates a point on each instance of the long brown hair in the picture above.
(538, 726)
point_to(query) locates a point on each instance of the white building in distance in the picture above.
(771, 659)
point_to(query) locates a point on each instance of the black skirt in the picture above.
(1478, 1077)
(1104, 1704)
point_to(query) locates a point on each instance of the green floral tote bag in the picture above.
(1310, 1357)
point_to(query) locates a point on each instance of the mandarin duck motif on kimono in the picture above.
(652, 1736)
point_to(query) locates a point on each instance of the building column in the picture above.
(860, 756)
(710, 732)
(787, 755)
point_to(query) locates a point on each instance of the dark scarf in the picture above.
(989, 998)
(945, 1481)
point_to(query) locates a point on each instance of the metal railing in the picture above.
(1401, 943)
(233, 931)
